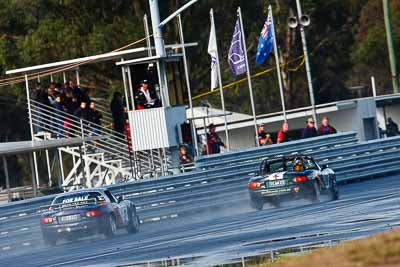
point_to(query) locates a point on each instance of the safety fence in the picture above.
(112, 155)
(178, 195)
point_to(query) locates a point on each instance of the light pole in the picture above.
(390, 44)
(304, 21)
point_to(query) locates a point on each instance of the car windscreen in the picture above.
(278, 166)
(71, 198)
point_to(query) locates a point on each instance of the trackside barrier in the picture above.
(166, 194)
(218, 160)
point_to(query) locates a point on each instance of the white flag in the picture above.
(212, 50)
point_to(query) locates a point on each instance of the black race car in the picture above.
(290, 177)
(87, 212)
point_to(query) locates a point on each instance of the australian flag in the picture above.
(266, 41)
(236, 58)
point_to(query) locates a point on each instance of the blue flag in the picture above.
(236, 59)
(266, 41)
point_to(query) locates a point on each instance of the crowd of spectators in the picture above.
(214, 143)
(65, 101)
(68, 99)
(284, 136)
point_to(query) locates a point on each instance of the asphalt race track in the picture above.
(228, 228)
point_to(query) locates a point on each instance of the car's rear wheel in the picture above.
(111, 228)
(134, 223)
(315, 192)
(256, 204)
(49, 240)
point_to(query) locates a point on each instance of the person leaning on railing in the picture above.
(310, 130)
(263, 137)
(283, 134)
(146, 98)
(325, 128)
(184, 156)
(214, 141)
(59, 118)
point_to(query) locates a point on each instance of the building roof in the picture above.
(23, 147)
(216, 116)
(239, 120)
(127, 54)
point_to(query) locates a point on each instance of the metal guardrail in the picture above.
(171, 194)
(217, 160)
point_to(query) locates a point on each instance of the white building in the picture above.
(362, 115)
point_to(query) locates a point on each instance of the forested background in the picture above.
(346, 41)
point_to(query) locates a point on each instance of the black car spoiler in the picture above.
(69, 205)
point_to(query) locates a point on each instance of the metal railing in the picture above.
(61, 124)
(174, 195)
(104, 107)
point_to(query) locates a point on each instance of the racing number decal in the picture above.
(124, 214)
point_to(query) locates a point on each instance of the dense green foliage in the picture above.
(346, 40)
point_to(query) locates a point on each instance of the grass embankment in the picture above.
(382, 250)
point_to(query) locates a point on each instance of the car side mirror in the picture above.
(324, 166)
(120, 199)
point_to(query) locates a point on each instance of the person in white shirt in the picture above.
(145, 98)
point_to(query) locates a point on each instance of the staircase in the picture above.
(103, 162)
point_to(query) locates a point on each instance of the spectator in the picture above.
(76, 91)
(85, 96)
(118, 114)
(68, 102)
(94, 117)
(82, 112)
(310, 130)
(59, 89)
(69, 107)
(40, 96)
(213, 140)
(283, 134)
(184, 156)
(145, 98)
(263, 138)
(67, 87)
(325, 128)
(58, 120)
(392, 129)
(127, 131)
(52, 89)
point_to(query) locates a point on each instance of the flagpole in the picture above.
(220, 80)
(193, 127)
(239, 13)
(278, 68)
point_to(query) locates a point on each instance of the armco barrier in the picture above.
(217, 160)
(352, 161)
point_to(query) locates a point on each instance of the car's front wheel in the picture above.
(134, 223)
(333, 190)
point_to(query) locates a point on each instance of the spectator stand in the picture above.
(107, 160)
